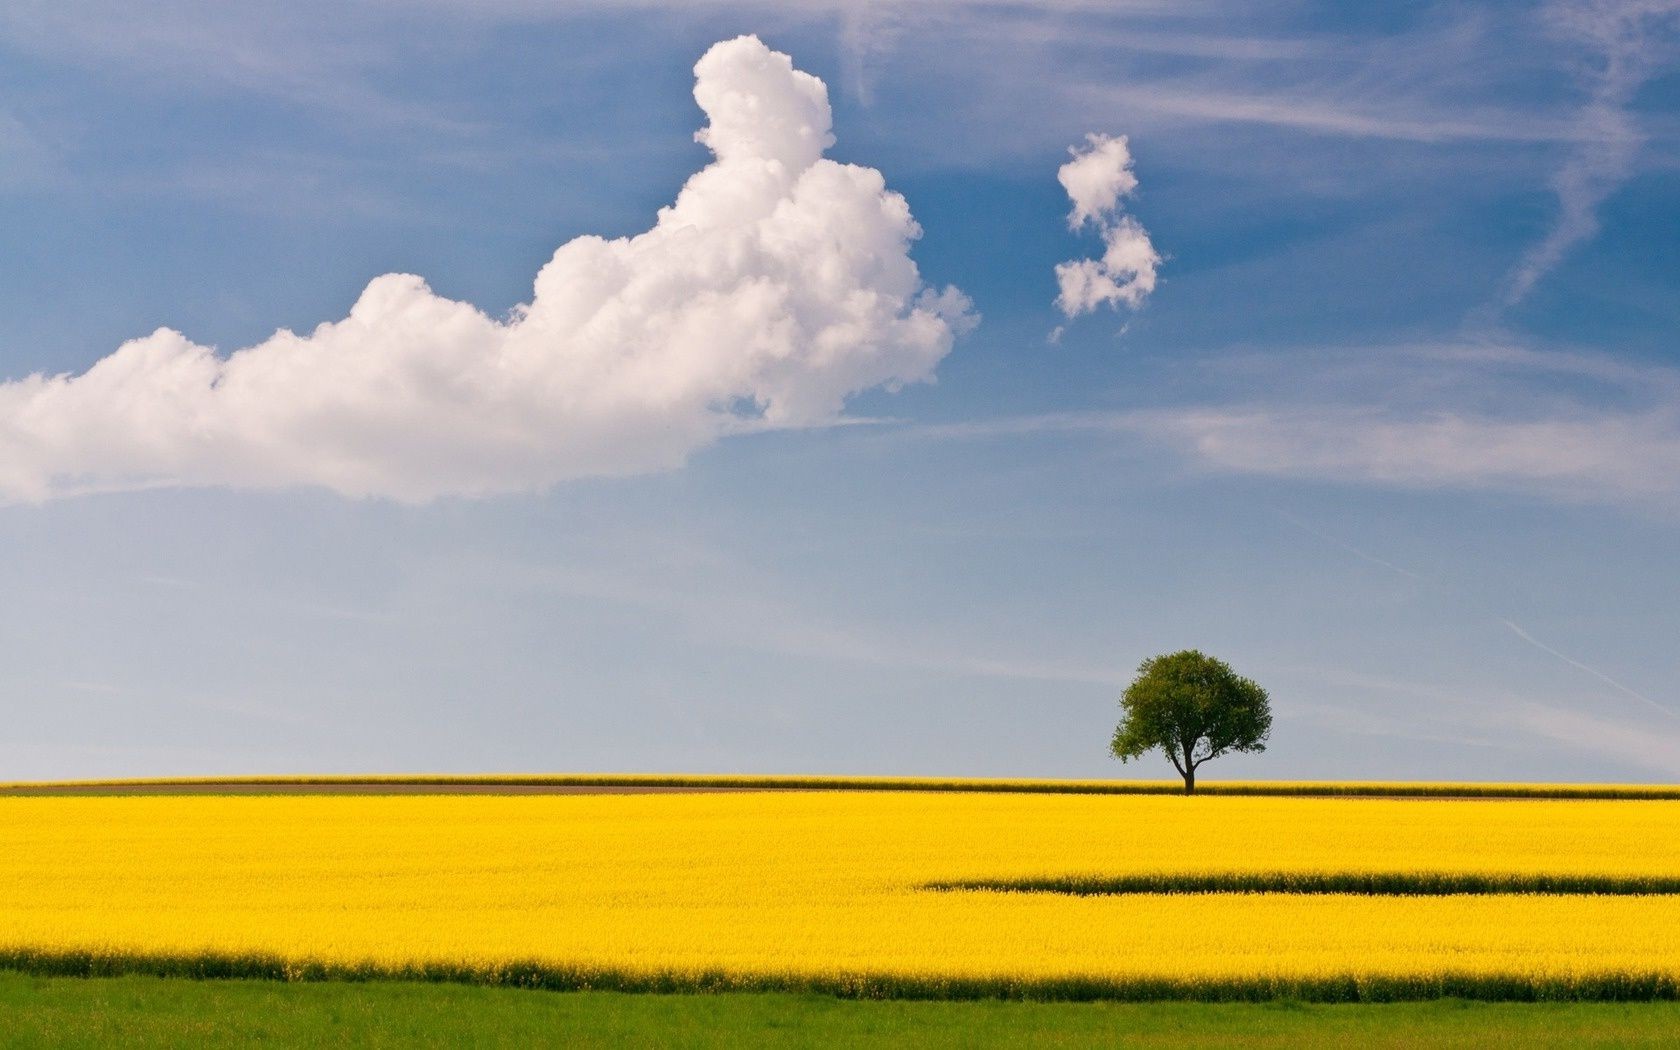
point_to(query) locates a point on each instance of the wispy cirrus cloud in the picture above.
(1211, 60)
(1405, 120)
(1626, 43)
(1654, 750)
(322, 57)
(1446, 76)
(1587, 456)
(1558, 425)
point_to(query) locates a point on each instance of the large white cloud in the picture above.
(1097, 179)
(778, 284)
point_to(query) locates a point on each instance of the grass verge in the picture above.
(143, 1012)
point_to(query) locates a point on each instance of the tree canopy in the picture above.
(1193, 707)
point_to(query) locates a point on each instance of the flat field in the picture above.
(840, 892)
(852, 892)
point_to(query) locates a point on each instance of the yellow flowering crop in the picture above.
(830, 890)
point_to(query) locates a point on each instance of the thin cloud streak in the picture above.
(1514, 628)
(1458, 714)
(1314, 115)
(1600, 675)
(1344, 545)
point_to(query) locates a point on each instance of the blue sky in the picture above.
(1396, 433)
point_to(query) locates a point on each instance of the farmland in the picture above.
(874, 894)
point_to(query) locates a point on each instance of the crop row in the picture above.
(1369, 883)
(1346, 987)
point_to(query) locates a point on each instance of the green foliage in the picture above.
(1194, 708)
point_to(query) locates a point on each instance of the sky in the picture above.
(410, 388)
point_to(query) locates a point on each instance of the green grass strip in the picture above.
(1374, 883)
(445, 783)
(140, 1013)
(1347, 987)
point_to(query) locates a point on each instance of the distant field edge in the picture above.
(636, 783)
(1352, 987)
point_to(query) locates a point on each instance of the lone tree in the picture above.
(1194, 708)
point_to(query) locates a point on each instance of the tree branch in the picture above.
(1173, 757)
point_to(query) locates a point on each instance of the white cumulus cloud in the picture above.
(1097, 180)
(776, 286)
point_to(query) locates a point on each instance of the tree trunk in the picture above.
(1189, 780)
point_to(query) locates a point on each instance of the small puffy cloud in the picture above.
(1097, 180)
(776, 286)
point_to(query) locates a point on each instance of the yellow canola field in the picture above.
(824, 890)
